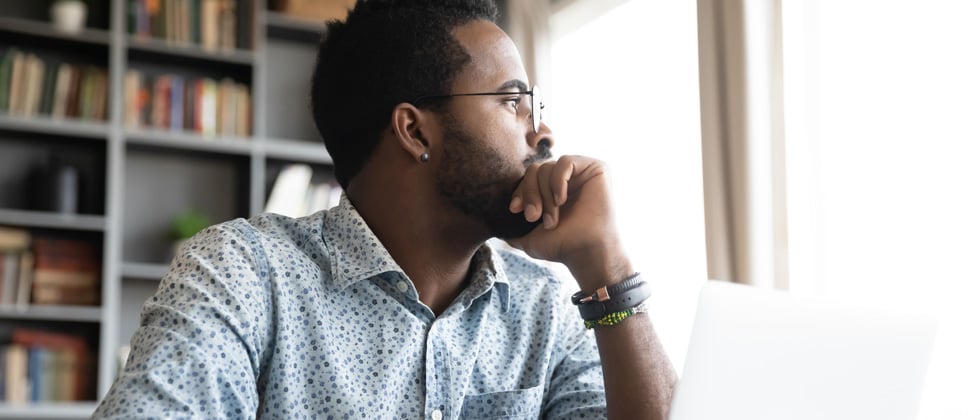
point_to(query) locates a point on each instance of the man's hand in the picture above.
(571, 196)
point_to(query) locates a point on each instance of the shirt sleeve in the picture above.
(577, 390)
(197, 351)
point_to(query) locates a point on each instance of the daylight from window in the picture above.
(624, 88)
(882, 170)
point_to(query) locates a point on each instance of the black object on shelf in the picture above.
(57, 187)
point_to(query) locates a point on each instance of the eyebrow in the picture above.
(511, 84)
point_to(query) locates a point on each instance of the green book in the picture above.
(6, 69)
(195, 22)
(47, 89)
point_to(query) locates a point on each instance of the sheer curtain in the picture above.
(624, 88)
(882, 170)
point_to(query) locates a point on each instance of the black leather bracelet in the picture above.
(618, 297)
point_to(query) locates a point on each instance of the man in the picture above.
(392, 305)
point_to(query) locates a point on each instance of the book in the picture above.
(6, 68)
(227, 24)
(62, 84)
(74, 88)
(24, 279)
(66, 272)
(161, 102)
(100, 94)
(243, 114)
(209, 24)
(47, 93)
(9, 276)
(289, 191)
(14, 239)
(176, 103)
(55, 342)
(132, 83)
(17, 83)
(15, 374)
(33, 88)
(206, 108)
(226, 107)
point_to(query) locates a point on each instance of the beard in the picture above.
(480, 183)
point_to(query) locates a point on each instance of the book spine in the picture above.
(16, 374)
(176, 103)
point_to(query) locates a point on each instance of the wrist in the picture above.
(616, 302)
(603, 266)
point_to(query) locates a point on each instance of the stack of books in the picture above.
(44, 366)
(47, 271)
(16, 266)
(201, 105)
(212, 24)
(30, 86)
(66, 272)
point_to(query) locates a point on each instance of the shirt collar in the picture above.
(356, 254)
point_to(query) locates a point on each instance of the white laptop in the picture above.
(765, 355)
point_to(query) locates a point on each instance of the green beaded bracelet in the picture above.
(615, 317)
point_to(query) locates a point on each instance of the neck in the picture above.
(434, 246)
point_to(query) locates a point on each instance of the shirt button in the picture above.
(437, 414)
(403, 287)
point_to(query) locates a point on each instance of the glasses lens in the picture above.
(536, 108)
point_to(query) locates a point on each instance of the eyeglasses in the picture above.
(534, 94)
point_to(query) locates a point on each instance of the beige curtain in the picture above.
(742, 140)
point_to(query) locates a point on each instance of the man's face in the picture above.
(488, 141)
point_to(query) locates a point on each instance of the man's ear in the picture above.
(408, 124)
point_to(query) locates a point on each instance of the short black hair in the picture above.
(385, 53)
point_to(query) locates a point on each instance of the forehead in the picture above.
(494, 57)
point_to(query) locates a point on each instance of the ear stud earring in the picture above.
(424, 157)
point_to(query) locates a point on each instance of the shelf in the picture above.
(52, 313)
(61, 127)
(192, 51)
(189, 141)
(143, 271)
(67, 410)
(43, 219)
(46, 30)
(300, 150)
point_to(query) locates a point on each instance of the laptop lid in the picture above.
(766, 355)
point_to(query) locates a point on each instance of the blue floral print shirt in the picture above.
(277, 317)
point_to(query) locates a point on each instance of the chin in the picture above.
(510, 225)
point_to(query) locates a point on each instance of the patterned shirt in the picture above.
(312, 318)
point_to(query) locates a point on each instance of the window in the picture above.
(882, 170)
(638, 64)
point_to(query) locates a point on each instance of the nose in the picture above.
(543, 136)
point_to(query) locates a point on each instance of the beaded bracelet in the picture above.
(615, 317)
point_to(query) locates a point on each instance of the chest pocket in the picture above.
(510, 405)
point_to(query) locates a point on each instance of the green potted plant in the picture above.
(186, 225)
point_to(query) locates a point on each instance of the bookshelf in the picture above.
(140, 176)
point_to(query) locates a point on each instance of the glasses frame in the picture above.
(534, 94)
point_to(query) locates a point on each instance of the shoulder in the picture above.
(263, 231)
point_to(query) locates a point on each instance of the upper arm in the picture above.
(198, 348)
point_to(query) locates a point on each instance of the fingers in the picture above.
(530, 193)
(560, 177)
(549, 208)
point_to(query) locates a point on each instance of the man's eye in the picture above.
(514, 102)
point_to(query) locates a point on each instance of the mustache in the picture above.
(543, 154)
